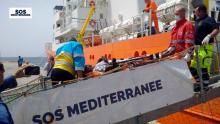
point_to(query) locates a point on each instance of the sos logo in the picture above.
(20, 12)
(48, 117)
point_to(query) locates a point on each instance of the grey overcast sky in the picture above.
(26, 37)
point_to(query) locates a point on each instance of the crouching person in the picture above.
(69, 62)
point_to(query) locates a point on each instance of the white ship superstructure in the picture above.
(69, 18)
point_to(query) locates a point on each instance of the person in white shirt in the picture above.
(101, 65)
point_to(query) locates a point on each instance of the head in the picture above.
(99, 60)
(19, 56)
(114, 60)
(72, 39)
(200, 11)
(2, 70)
(51, 60)
(104, 59)
(180, 13)
(147, 1)
(27, 62)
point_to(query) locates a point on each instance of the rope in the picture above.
(22, 94)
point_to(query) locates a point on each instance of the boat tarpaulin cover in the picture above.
(108, 99)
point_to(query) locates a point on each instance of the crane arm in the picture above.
(82, 31)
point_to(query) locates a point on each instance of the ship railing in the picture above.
(43, 83)
(214, 73)
(86, 4)
(77, 24)
(33, 86)
(215, 68)
(146, 24)
(99, 23)
(136, 27)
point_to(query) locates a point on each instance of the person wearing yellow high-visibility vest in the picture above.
(69, 61)
(206, 29)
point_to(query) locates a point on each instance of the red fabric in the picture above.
(183, 35)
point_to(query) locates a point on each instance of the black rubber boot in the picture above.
(205, 78)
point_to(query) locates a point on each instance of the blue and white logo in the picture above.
(20, 13)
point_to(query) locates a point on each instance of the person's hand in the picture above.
(145, 11)
(206, 39)
(79, 74)
(169, 51)
(187, 57)
(20, 72)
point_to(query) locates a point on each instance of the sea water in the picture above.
(39, 61)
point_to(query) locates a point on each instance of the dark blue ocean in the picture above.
(40, 61)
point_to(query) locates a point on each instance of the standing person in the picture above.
(151, 5)
(20, 61)
(9, 82)
(182, 35)
(69, 62)
(49, 65)
(206, 30)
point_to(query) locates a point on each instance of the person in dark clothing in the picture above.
(206, 29)
(7, 83)
(63, 75)
(20, 61)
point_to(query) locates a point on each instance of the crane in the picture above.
(88, 18)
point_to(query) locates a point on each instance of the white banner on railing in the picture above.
(108, 99)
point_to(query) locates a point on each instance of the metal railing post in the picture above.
(150, 23)
(142, 17)
(93, 39)
(132, 28)
(218, 54)
(199, 68)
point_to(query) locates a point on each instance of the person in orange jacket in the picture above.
(151, 5)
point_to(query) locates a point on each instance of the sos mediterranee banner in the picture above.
(108, 99)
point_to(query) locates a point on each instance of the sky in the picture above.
(26, 37)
